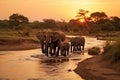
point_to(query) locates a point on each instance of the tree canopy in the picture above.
(96, 16)
(16, 19)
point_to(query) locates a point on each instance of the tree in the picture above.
(107, 26)
(82, 15)
(4, 23)
(49, 23)
(116, 22)
(96, 16)
(16, 19)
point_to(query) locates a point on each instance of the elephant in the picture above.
(48, 41)
(77, 43)
(64, 48)
(52, 40)
(56, 39)
(42, 37)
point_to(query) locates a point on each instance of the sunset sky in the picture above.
(56, 9)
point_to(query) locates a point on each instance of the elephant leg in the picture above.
(64, 53)
(57, 53)
(54, 50)
(71, 48)
(74, 48)
(46, 50)
(61, 52)
(43, 48)
(79, 47)
(83, 47)
(51, 50)
(68, 52)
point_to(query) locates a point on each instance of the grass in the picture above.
(7, 34)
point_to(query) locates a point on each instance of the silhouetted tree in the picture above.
(4, 23)
(82, 15)
(35, 24)
(49, 23)
(116, 22)
(16, 19)
(96, 16)
(107, 26)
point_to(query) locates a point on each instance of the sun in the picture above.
(82, 20)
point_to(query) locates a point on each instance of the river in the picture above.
(22, 65)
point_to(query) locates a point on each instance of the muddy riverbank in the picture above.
(96, 69)
(18, 44)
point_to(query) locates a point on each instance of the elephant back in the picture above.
(64, 45)
(80, 40)
(73, 41)
(77, 40)
(58, 36)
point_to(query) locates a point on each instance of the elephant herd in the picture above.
(54, 43)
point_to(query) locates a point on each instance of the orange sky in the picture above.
(56, 9)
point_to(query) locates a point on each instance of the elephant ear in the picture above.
(41, 35)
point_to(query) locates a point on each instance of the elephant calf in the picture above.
(64, 48)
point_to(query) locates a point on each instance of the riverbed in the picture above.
(22, 65)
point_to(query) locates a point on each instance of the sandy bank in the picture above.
(8, 45)
(96, 69)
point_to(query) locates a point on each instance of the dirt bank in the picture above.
(18, 44)
(96, 69)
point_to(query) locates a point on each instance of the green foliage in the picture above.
(112, 51)
(94, 51)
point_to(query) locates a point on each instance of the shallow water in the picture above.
(22, 65)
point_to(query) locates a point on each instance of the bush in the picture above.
(112, 52)
(94, 51)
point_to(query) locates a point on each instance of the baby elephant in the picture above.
(64, 48)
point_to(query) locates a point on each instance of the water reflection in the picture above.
(33, 65)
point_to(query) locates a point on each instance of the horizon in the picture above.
(38, 10)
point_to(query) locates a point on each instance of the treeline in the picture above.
(97, 22)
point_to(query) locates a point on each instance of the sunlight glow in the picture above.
(56, 9)
(82, 20)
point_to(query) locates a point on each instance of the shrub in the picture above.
(94, 51)
(112, 52)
